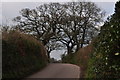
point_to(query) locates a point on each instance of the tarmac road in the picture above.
(58, 70)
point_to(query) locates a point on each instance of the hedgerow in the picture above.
(22, 55)
(105, 60)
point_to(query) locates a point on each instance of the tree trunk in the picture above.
(48, 54)
(83, 37)
(69, 50)
(78, 46)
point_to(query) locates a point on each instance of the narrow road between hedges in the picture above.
(58, 70)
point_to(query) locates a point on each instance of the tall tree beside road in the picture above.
(72, 24)
(41, 22)
(80, 24)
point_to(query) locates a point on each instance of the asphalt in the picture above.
(58, 70)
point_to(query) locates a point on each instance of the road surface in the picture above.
(58, 70)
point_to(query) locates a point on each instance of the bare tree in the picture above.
(42, 23)
(54, 45)
(73, 24)
(80, 24)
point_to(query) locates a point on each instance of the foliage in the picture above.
(79, 58)
(69, 58)
(82, 57)
(22, 55)
(105, 60)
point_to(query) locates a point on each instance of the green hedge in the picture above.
(22, 55)
(105, 60)
(79, 58)
(69, 58)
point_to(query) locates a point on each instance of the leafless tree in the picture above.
(73, 24)
(80, 24)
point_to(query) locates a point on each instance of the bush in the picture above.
(82, 57)
(105, 60)
(79, 58)
(69, 58)
(22, 55)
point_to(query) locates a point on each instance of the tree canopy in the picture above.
(71, 24)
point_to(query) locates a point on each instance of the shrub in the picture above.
(105, 60)
(82, 57)
(22, 55)
(79, 58)
(69, 58)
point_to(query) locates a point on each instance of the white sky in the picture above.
(57, 54)
(55, 0)
(10, 9)
(0, 13)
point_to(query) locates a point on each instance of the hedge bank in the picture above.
(22, 55)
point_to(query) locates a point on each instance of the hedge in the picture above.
(22, 55)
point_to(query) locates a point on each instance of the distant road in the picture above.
(58, 70)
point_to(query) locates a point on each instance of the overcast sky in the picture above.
(56, 0)
(10, 9)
